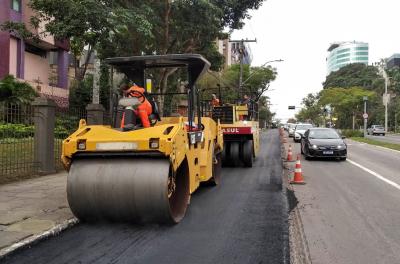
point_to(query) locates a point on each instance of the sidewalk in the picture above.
(30, 208)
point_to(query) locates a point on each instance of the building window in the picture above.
(343, 55)
(362, 53)
(343, 50)
(16, 5)
(35, 50)
(361, 48)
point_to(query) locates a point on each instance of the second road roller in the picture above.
(240, 126)
(141, 174)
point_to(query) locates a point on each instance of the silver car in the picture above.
(376, 130)
(300, 130)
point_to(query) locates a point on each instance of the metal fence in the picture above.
(17, 138)
(16, 141)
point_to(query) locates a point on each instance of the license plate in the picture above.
(327, 152)
(116, 146)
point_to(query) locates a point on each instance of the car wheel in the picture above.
(343, 159)
(383, 134)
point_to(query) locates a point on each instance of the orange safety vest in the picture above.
(144, 109)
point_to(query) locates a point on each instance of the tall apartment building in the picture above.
(30, 61)
(343, 53)
(230, 51)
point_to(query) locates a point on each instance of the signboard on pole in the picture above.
(291, 107)
(386, 99)
(365, 116)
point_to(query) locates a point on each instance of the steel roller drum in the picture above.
(124, 189)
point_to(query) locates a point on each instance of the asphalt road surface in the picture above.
(243, 220)
(351, 209)
(387, 138)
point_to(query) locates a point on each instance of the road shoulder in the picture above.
(299, 250)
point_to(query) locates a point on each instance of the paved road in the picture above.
(387, 138)
(351, 215)
(244, 220)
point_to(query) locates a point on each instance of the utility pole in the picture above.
(386, 98)
(241, 56)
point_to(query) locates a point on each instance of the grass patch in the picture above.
(377, 143)
(17, 159)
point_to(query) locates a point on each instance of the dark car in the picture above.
(323, 143)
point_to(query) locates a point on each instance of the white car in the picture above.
(300, 130)
(291, 129)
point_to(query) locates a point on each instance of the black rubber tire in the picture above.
(343, 159)
(225, 155)
(234, 154)
(247, 153)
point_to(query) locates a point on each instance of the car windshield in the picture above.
(379, 127)
(303, 127)
(323, 134)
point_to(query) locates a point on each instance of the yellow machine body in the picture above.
(168, 138)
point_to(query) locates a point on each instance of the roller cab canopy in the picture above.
(134, 67)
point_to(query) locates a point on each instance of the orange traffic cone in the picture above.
(289, 154)
(298, 176)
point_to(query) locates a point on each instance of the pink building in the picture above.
(30, 61)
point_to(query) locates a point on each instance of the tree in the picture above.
(355, 75)
(264, 112)
(180, 26)
(259, 80)
(311, 111)
(347, 104)
(13, 91)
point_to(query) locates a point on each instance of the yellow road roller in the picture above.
(239, 122)
(137, 174)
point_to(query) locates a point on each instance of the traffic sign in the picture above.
(365, 116)
(291, 107)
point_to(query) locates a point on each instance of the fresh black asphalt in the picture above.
(243, 220)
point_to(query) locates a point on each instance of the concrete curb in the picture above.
(36, 238)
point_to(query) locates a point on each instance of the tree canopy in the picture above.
(14, 91)
(355, 75)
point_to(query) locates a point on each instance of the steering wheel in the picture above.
(140, 96)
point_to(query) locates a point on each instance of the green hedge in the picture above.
(351, 133)
(16, 130)
(24, 131)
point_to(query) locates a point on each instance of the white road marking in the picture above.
(380, 177)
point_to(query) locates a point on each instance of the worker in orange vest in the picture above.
(214, 100)
(144, 110)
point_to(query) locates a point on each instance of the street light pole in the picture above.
(385, 96)
(365, 116)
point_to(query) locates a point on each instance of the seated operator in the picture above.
(144, 110)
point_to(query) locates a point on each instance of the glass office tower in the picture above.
(343, 53)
